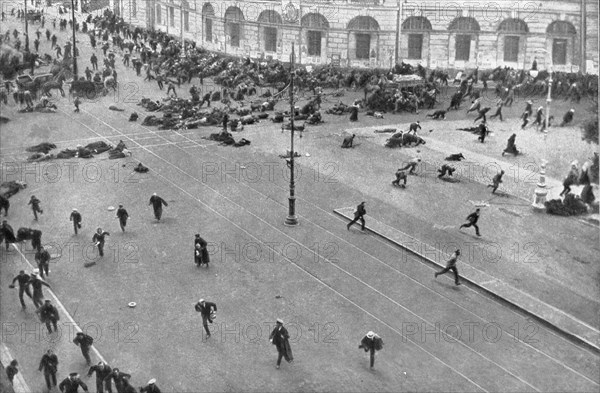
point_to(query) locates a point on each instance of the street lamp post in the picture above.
(291, 219)
(541, 192)
(26, 29)
(74, 44)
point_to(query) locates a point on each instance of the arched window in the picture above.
(418, 27)
(208, 12)
(416, 23)
(562, 34)
(270, 17)
(362, 26)
(465, 28)
(233, 22)
(315, 23)
(512, 29)
(560, 27)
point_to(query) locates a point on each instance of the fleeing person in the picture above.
(281, 339)
(359, 214)
(206, 310)
(84, 341)
(123, 216)
(157, 204)
(23, 279)
(49, 366)
(371, 342)
(450, 265)
(472, 221)
(75, 217)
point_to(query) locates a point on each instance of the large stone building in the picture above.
(377, 33)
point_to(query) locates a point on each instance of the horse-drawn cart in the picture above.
(87, 89)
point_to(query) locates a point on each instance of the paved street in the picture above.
(329, 285)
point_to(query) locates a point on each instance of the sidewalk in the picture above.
(558, 319)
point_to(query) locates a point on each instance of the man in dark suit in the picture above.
(157, 204)
(37, 283)
(150, 388)
(201, 256)
(42, 258)
(71, 384)
(8, 234)
(359, 215)
(76, 218)
(472, 221)
(117, 376)
(85, 343)
(49, 365)
(206, 309)
(102, 371)
(49, 313)
(123, 216)
(281, 339)
(23, 280)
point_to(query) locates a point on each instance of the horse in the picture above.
(56, 84)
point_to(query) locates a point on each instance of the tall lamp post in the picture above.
(291, 219)
(26, 29)
(541, 192)
(74, 44)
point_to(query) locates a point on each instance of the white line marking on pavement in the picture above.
(60, 306)
(19, 384)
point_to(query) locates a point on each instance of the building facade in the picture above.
(562, 35)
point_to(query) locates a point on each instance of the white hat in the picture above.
(370, 334)
(36, 271)
(200, 301)
(152, 381)
(154, 193)
(279, 320)
(74, 209)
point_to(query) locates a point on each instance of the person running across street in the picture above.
(472, 221)
(49, 366)
(99, 239)
(23, 280)
(359, 214)
(371, 342)
(84, 342)
(281, 339)
(75, 217)
(450, 265)
(206, 310)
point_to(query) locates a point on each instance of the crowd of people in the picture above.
(156, 56)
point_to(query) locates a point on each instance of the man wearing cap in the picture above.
(117, 376)
(102, 370)
(7, 234)
(123, 216)
(371, 342)
(281, 339)
(359, 215)
(150, 388)
(37, 283)
(451, 265)
(49, 365)
(76, 218)
(157, 204)
(71, 384)
(99, 239)
(472, 221)
(23, 280)
(35, 206)
(206, 309)
(42, 258)
(49, 313)
(85, 343)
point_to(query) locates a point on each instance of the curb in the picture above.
(19, 384)
(588, 344)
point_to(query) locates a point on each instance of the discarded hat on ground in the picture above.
(152, 381)
(370, 334)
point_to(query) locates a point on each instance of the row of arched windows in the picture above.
(416, 28)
